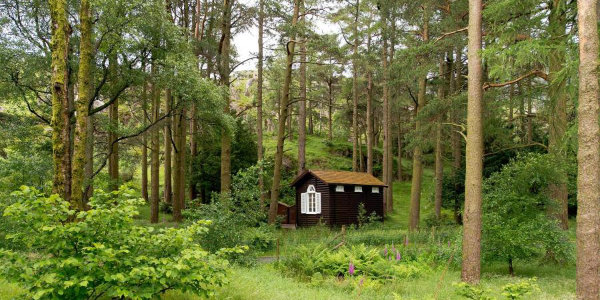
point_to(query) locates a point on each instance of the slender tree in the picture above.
(417, 169)
(154, 159)
(588, 155)
(84, 77)
(224, 70)
(471, 261)
(60, 122)
(302, 105)
(113, 134)
(283, 112)
(355, 89)
(259, 99)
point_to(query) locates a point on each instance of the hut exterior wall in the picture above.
(313, 219)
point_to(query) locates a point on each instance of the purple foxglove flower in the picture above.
(448, 243)
(362, 280)
(385, 251)
(405, 241)
(351, 268)
(398, 256)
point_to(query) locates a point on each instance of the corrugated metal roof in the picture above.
(342, 177)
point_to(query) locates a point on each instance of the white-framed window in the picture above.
(375, 190)
(339, 188)
(358, 189)
(310, 202)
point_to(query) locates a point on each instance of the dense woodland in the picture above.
(142, 155)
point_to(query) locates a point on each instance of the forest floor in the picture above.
(265, 281)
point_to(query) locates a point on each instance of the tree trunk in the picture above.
(330, 109)
(168, 160)
(283, 112)
(417, 171)
(179, 176)
(439, 150)
(154, 162)
(113, 133)
(89, 162)
(588, 156)
(259, 101)
(471, 264)
(400, 176)
(355, 91)
(81, 106)
(456, 137)
(558, 118)
(224, 70)
(60, 123)
(302, 109)
(145, 139)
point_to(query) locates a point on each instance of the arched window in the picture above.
(310, 201)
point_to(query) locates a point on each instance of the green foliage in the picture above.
(367, 261)
(516, 224)
(522, 288)
(236, 218)
(473, 292)
(101, 252)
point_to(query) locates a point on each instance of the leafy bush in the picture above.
(472, 291)
(237, 218)
(516, 224)
(102, 252)
(518, 290)
(345, 261)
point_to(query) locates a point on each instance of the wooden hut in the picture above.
(333, 197)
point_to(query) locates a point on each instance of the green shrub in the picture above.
(518, 290)
(103, 253)
(366, 261)
(516, 224)
(473, 292)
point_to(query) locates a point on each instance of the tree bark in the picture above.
(60, 123)
(439, 163)
(588, 155)
(302, 109)
(154, 163)
(558, 118)
(224, 70)
(370, 131)
(355, 90)
(283, 112)
(84, 78)
(179, 172)
(471, 264)
(168, 159)
(400, 176)
(145, 139)
(259, 101)
(113, 133)
(417, 169)
(330, 109)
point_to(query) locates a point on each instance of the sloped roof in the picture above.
(342, 177)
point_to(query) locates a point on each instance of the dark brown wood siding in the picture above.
(345, 204)
(320, 187)
(337, 208)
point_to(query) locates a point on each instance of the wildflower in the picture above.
(398, 256)
(385, 251)
(362, 280)
(448, 243)
(405, 240)
(351, 268)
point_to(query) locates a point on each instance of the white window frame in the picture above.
(375, 190)
(310, 201)
(358, 189)
(339, 188)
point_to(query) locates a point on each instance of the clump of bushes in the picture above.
(237, 218)
(511, 291)
(351, 261)
(101, 252)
